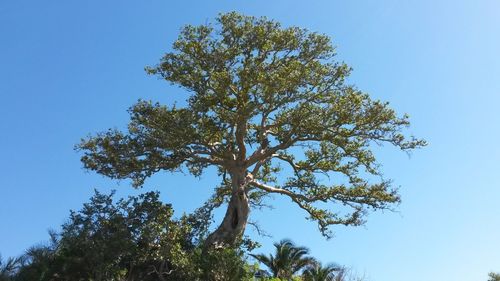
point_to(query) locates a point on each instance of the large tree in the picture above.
(270, 107)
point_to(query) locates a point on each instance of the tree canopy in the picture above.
(270, 108)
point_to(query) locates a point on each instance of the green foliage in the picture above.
(108, 241)
(225, 264)
(295, 278)
(139, 239)
(40, 263)
(318, 272)
(262, 98)
(494, 276)
(8, 268)
(287, 260)
(129, 239)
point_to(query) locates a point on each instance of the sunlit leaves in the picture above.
(263, 100)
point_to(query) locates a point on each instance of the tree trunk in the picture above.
(235, 220)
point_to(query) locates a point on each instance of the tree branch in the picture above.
(294, 196)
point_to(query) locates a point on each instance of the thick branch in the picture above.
(286, 192)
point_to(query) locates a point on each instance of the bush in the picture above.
(132, 239)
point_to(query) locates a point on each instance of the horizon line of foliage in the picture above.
(138, 238)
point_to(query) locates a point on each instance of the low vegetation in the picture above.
(138, 238)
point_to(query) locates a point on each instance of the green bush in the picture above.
(138, 239)
(129, 239)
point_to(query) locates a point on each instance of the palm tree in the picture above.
(9, 268)
(288, 259)
(317, 272)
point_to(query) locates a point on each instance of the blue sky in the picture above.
(71, 68)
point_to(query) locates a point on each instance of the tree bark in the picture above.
(236, 218)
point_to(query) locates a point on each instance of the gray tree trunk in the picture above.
(235, 220)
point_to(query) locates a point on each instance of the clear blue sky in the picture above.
(70, 68)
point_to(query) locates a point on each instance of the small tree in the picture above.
(287, 260)
(318, 272)
(132, 239)
(128, 239)
(262, 99)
